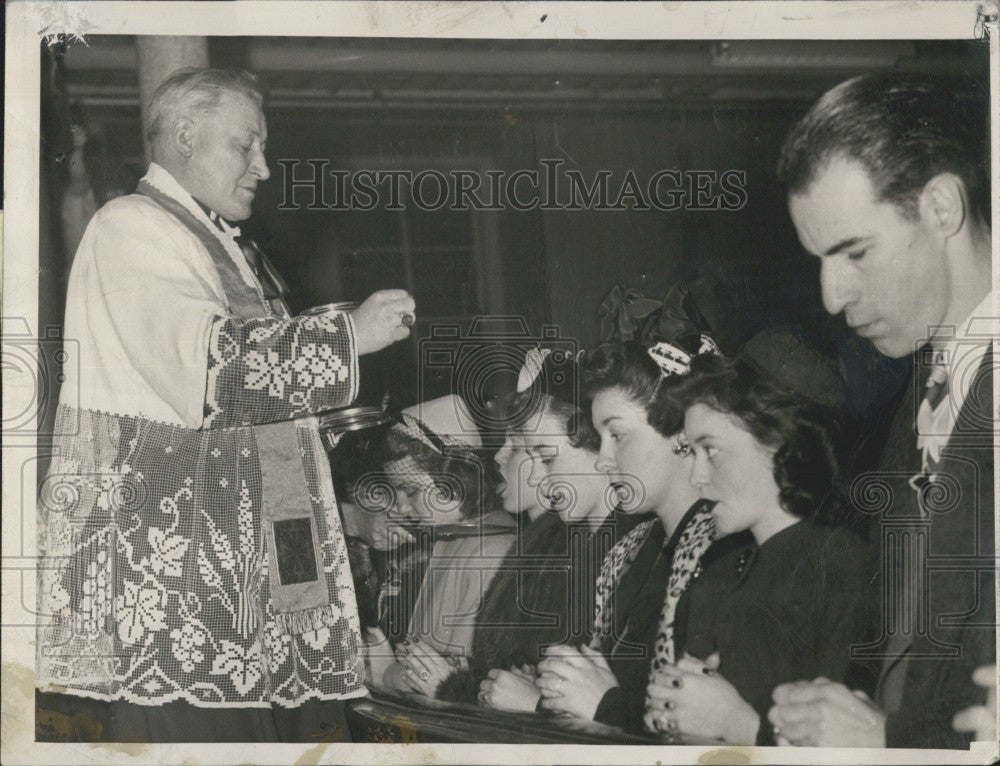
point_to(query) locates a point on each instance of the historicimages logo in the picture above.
(550, 186)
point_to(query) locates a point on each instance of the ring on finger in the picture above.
(406, 319)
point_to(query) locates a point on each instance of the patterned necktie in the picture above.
(929, 423)
(937, 382)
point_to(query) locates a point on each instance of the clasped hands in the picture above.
(573, 681)
(821, 713)
(570, 681)
(981, 720)
(691, 697)
(512, 689)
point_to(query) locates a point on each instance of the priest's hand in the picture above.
(384, 318)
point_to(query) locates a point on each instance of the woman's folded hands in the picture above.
(691, 697)
(423, 668)
(574, 681)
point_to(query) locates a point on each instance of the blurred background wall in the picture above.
(601, 106)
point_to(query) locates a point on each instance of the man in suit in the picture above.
(888, 188)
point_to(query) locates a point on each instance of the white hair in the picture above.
(194, 91)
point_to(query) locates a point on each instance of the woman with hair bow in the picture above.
(643, 577)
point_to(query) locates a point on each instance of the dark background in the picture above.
(447, 104)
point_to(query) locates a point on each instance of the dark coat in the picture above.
(926, 677)
(787, 611)
(638, 602)
(542, 595)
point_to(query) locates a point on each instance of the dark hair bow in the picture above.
(625, 314)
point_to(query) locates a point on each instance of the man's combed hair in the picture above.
(805, 463)
(196, 91)
(903, 130)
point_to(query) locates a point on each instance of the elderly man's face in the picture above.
(227, 158)
(887, 274)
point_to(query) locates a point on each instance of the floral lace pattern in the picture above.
(277, 369)
(156, 582)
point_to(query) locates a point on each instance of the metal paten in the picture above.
(340, 307)
(333, 425)
(345, 307)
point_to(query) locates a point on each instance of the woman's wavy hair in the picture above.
(523, 407)
(554, 391)
(805, 463)
(628, 367)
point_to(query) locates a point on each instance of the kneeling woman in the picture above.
(442, 485)
(797, 604)
(543, 592)
(644, 575)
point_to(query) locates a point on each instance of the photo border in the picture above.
(27, 22)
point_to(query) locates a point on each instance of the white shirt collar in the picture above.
(161, 179)
(963, 354)
(965, 350)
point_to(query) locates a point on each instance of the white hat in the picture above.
(448, 416)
